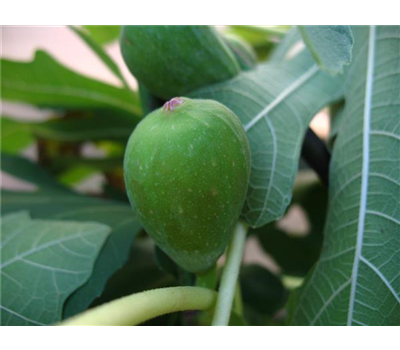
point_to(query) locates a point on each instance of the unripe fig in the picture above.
(187, 169)
(173, 60)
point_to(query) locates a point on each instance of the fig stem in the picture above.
(230, 275)
(238, 302)
(140, 307)
(207, 279)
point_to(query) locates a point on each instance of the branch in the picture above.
(229, 276)
(140, 307)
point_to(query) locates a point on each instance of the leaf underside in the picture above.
(55, 202)
(331, 46)
(357, 280)
(42, 263)
(275, 103)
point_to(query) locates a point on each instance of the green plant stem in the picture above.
(207, 279)
(238, 303)
(140, 307)
(229, 276)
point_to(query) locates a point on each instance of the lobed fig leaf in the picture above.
(152, 53)
(187, 169)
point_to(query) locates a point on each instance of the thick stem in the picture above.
(238, 302)
(140, 307)
(207, 279)
(229, 276)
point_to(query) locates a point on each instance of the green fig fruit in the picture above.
(187, 169)
(174, 60)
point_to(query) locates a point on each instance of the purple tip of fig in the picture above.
(171, 104)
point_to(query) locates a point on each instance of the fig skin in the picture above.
(187, 168)
(174, 60)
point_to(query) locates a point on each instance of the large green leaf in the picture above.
(275, 103)
(357, 280)
(42, 263)
(30, 172)
(99, 51)
(331, 46)
(98, 126)
(89, 126)
(103, 34)
(75, 174)
(59, 203)
(44, 82)
(15, 136)
(125, 227)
